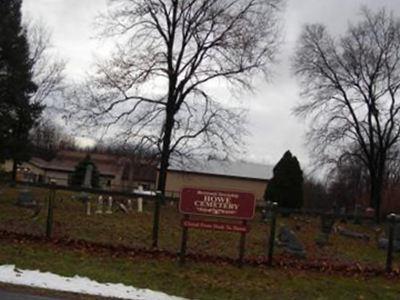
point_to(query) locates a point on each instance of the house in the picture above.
(116, 172)
(219, 175)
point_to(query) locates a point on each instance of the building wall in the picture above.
(30, 172)
(178, 180)
(61, 178)
(33, 168)
(25, 172)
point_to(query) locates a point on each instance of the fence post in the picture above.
(182, 253)
(49, 223)
(156, 219)
(271, 243)
(389, 259)
(242, 245)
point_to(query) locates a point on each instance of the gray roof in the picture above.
(226, 168)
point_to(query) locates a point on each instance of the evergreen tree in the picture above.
(78, 177)
(286, 186)
(17, 113)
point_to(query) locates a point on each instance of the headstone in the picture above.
(123, 208)
(109, 206)
(25, 199)
(353, 234)
(140, 204)
(87, 182)
(369, 213)
(383, 244)
(327, 222)
(267, 212)
(140, 200)
(99, 209)
(264, 215)
(88, 208)
(396, 231)
(85, 198)
(129, 204)
(289, 241)
(384, 241)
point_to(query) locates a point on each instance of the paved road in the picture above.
(18, 296)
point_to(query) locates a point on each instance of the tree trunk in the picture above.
(376, 194)
(165, 153)
(162, 175)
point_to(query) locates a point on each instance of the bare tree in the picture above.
(48, 138)
(155, 88)
(48, 69)
(351, 88)
(350, 182)
(315, 195)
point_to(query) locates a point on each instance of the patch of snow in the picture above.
(82, 285)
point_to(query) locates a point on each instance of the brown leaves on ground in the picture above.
(289, 264)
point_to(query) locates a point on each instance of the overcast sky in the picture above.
(273, 127)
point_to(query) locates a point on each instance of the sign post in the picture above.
(229, 205)
(242, 245)
(182, 253)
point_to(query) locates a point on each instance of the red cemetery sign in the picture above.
(210, 203)
(214, 226)
(227, 204)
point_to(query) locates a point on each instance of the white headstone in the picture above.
(140, 200)
(123, 208)
(109, 207)
(99, 209)
(129, 204)
(88, 208)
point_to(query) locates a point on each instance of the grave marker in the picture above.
(109, 206)
(25, 198)
(99, 209)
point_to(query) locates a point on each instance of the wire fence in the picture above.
(125, 218)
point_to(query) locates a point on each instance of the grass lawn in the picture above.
(197, 280)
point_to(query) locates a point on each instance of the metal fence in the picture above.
(127, 219)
